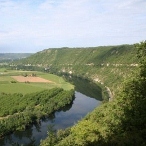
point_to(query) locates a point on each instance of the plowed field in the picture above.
(30, 79)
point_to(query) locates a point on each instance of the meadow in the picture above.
(10, 85)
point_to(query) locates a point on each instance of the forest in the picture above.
(19, 111)
(119, 122)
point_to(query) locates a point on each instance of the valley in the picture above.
(118, 72)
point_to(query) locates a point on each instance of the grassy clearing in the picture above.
(2, 70)
(19, 88)
(7, 86)
(6, 78)
(54, 78)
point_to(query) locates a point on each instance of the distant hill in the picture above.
(13, 56)
(91, 55)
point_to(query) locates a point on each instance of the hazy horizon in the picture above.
(64, 47)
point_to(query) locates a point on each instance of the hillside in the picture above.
(120, 122)
(108, 65)
(85, 56)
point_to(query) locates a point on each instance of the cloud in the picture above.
(51, 23)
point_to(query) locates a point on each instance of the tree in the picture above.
(142, 57)
(52, 135)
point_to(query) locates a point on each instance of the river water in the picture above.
(64, 118)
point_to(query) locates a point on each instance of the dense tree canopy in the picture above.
(19, 111)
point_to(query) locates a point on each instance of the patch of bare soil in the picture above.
(30, 79)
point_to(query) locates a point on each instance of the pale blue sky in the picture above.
(34, 25)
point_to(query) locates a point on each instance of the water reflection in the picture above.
(85, 86)
(20, 138)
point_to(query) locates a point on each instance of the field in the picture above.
(29, 81)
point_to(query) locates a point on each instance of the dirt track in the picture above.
(30, 79)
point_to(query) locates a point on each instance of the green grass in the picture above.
(15, 73)
(7, 87)
(19, 88)
(59, 81)
(6, 78)
(2, 70)
(53, 78)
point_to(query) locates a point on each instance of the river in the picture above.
(68, 116)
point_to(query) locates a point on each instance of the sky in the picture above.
(34, 25)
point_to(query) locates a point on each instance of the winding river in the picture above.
(85, 101)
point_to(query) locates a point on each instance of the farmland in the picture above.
(29, 81)
(29, 96)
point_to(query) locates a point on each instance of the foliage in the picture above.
(95, 55)
(119, 122)
(142, 59)
(18, 111)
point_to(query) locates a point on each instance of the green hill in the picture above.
(75, 56)
(108, 65)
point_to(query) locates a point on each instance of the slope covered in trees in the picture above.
(18, 111)
(119, 122)
(108, 65)
(94, 55)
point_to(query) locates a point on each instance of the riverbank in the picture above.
(34, 106)
(66, 117)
